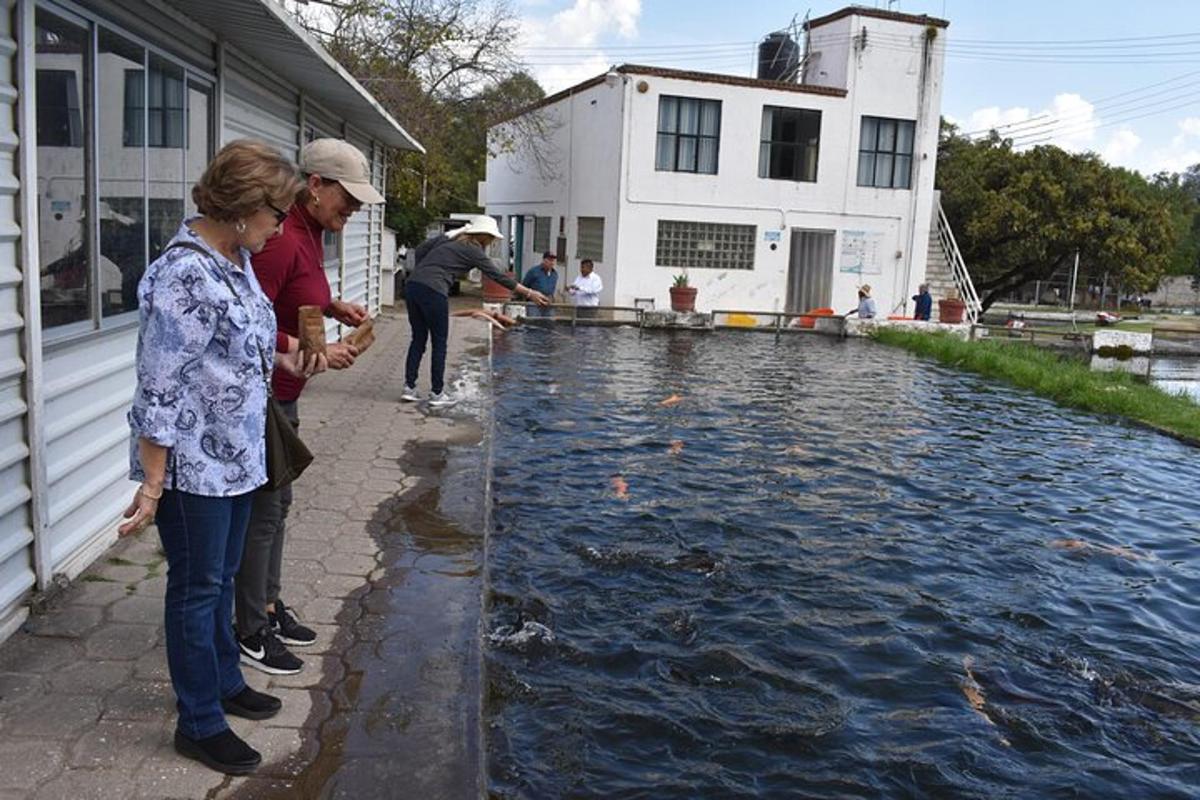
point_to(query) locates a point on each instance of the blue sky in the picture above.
(1114, 77)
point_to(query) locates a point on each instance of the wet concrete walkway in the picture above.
(383, 560)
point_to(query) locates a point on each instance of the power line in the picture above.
(1032, 139)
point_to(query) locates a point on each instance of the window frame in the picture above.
(90, 105)
(801, 147)
(697, 138)
(540, 247)
(894, 153)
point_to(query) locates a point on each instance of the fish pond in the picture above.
(829, 569)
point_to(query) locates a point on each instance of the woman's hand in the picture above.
(350, 314)
(294, 363)
(341, 355)
(140, 512)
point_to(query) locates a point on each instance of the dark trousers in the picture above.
(258, 579)
(202, 537)
(429, 316)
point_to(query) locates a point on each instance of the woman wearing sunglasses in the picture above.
(291, 269)
(206, 347)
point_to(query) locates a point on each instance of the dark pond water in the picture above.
(856, 574)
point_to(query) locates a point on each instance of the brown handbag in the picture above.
(287, 455)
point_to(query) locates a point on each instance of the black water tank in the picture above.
(778, 58)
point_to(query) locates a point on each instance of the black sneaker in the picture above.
(251, 704)
(265, 652)
(224, 752)
(288, 628)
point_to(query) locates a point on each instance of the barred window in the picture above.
(591, 239)
(689, 135)
(541, 234)
(705, 245)
(791, 138)
(885, 149)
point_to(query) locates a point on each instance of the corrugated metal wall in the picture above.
(16, 524)
(356, 243)
(258, 107)
(378, 156)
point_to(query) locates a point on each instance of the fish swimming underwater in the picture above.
(673, 400)
(620, 487)
(676, 448)
(974, 694)
(1079, 545)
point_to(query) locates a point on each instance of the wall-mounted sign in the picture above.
(860, 252)
(772, 236)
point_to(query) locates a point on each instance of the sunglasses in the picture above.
(280, 216)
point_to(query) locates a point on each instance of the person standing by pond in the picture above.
(586, 289)
(291, 269)
(206, 342)
(866, 304)
(924, 301)
(543, 278)
(442, 260)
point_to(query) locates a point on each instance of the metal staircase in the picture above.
(945, 271)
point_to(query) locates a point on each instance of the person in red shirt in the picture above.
(292, 274)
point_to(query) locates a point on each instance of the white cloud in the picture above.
(1121, 146)
(582, 24)
(1069, 122)
(1181, 152)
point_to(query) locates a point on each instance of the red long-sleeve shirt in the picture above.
(291, 271)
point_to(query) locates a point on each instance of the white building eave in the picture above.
(265, 30)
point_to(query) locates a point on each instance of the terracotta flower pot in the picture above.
(494, 292)
(951, 310)
(683, 298)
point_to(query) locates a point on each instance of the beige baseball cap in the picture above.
(338, 160)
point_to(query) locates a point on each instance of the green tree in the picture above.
(1021, 216)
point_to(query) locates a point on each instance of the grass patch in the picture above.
(93, 578)
(1066, 381)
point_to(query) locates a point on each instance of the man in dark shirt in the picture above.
(543, 278)
(924, 303)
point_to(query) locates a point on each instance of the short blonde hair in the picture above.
(243, 177)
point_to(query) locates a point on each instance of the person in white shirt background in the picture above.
(586, 289)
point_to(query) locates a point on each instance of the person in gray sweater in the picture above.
(442, 260)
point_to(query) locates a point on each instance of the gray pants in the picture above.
(257, 582)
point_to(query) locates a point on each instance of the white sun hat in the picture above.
(480, 223)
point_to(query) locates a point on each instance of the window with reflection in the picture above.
(165, 154)
(121, 172)
(199, 139)
(62, 64)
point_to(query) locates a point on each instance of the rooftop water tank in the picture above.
(778, 58)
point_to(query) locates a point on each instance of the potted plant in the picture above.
(951, 309)
(683, 297)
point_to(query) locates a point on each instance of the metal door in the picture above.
(810, 271)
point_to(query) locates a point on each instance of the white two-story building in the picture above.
(772, 195)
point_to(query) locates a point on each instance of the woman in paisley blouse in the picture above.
(205, 349)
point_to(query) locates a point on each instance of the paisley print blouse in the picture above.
(201, 391)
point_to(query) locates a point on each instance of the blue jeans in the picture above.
(429, 316)
(202, 537)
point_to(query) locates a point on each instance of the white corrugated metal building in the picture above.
(115, 108)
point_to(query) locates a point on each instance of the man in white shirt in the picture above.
(586, 289)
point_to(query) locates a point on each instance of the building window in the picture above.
(164, 108)
(112, 191)
(790, 141)
(885, 149)
(59, 122)
(591, 239)
(704, 245)
(541, 234)
(689, 135)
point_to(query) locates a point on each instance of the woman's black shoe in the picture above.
(252, 705)
(224, 752)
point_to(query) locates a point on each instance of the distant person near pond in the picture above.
(866, 304)
(924, 301)
(442, 260)
(585, 289)
(542, 278)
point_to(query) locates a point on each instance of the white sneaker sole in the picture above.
(261, 667)
(295, 642)
(409, 398)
